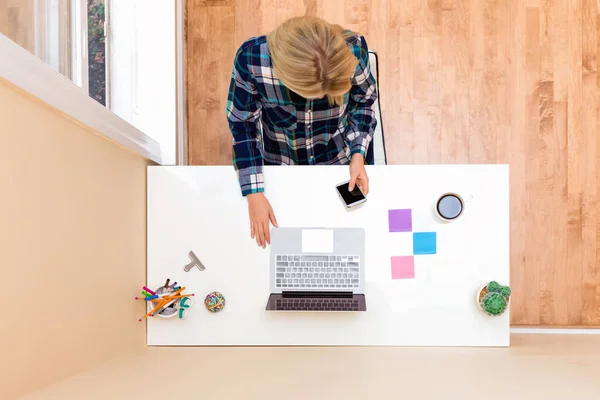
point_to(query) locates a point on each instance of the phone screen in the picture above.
(350, 197)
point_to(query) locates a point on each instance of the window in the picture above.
(127, 55)
(90, 43)
(51, 32)
(69, 35)
(96, 39)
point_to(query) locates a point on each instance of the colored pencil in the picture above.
(165, 306)
(175, 293)
(158, 298)
(146, 294)
(181, 289)
(149, 291)
(162, 303)
(166, 301)
(160, 295)
(178, 297)
(151, 297)
(167, 283)
(169, 298)
(163, 294)
(159, 307)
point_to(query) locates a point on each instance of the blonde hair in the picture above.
(311, 57)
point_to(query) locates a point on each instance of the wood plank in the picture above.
(477, 84)
(356, 16)
(503, 99)
(518, 232)
(461, 14)
(196, 63)
(532, 150)
(434, 98)
(575, 152)
(333, 11)
(248, 20)
(595, 319)
(448, 87)
(421, 99)
(589, 136)
(559, 27)
(546, 168)
(209, 143)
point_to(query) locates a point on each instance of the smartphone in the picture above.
(350, 198)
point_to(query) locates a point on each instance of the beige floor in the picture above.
(534, 367)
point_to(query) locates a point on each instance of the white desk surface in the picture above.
(201, 209)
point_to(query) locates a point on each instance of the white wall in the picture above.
(73, 203)
(143, 78)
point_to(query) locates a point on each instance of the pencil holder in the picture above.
(168, 312)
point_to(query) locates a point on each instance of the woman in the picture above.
(301, 95)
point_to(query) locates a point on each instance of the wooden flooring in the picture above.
(479, 81)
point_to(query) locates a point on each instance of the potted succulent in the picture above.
(494, 298)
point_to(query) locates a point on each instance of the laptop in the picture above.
(317, 269)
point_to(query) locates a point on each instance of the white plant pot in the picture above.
(168, 312)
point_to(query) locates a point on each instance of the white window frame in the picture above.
(107, 59)
(79, 48)
(26, 71)
(51, 34)
(145, 87)
(61, 39)
(79, 41)
(181, 131)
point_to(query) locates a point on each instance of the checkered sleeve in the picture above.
(362, 97)
(243, 115)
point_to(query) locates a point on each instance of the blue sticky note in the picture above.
(424, 243)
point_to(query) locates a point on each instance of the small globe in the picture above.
(214, 302)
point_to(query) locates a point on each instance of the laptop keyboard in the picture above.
(317, 272)
(317, 304)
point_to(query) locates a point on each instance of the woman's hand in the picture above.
(261, 213)
(358, 174)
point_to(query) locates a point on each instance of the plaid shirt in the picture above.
(271, 125)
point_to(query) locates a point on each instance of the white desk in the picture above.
(201, 209)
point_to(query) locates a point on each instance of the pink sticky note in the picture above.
(403, 267)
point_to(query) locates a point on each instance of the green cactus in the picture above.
(493, 286)
(494, 298)
(494, 303)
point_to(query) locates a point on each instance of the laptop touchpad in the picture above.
(317, 240)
